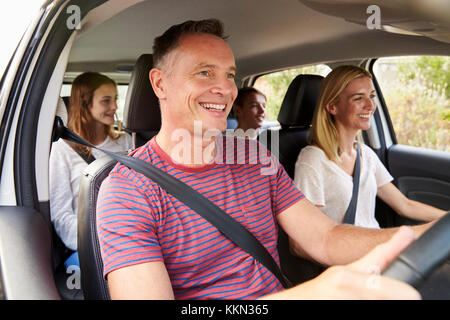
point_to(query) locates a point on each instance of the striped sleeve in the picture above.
(126, 224)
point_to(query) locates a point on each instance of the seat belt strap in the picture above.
(350, 214)
(89, 158)
(229, 227)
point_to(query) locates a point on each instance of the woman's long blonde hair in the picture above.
(80, 119)
(324, 132)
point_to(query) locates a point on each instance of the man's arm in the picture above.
(314, 235)
(146, 281)
(359, 280)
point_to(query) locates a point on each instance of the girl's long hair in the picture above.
(80, 119)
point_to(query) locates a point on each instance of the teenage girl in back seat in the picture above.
(91, 115)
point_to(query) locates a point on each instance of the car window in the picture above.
(274, 85)
(121, 91)
(417, 94)
(15, 17)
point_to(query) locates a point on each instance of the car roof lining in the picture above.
(260, 42)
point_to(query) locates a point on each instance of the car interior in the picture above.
(115, 38)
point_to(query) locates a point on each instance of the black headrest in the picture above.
(141, 111)
(300, 100)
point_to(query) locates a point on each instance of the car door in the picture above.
(419, 162)
(421, 170)
(25, 229)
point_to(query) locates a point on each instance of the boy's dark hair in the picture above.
(242, 93)
(169, 39)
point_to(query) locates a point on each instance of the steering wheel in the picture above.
(423, 256)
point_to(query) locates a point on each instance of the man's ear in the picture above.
(157, 82)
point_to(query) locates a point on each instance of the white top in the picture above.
(325, 184)
(66, 166)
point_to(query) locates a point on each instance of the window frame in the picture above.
(390, 137)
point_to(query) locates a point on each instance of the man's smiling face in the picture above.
(199, 82)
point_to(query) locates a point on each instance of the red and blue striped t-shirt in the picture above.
(139, 222)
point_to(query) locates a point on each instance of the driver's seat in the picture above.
(143, 120)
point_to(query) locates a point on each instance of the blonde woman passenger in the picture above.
(92, 108)
(324, 170)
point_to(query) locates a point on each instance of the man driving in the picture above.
(155, 247)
